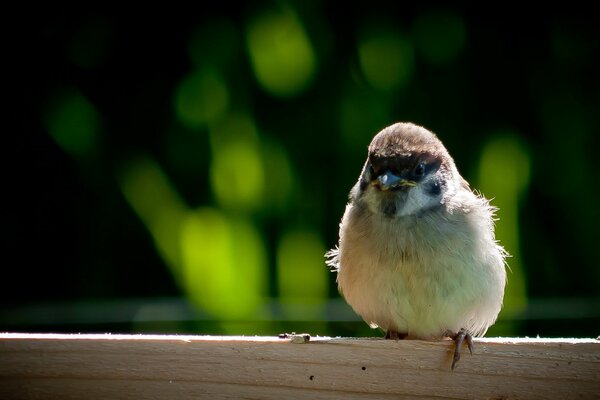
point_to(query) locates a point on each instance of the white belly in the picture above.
(412, 284)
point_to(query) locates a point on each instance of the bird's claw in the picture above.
(395, 335)
(459, 338)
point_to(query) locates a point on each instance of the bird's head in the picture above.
(408, 171)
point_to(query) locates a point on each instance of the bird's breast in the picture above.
(411, 274)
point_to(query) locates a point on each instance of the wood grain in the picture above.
(163, 367)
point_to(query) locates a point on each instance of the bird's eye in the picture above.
(420, 170)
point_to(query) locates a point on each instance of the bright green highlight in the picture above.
(440, 36)
(201, 98)
(245, 168)
(504, 173)
(224, 264)
(237, 176)
(281, 54)
(386, 59)
(300, 271)
(74, 123)
(151, 195)
(220, 262)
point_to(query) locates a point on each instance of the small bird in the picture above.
(417, 256)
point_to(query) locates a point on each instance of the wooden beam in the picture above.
(146, 367)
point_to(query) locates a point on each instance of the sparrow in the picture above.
(417, 256)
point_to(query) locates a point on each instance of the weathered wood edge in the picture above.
(172, 366)
(276, 339)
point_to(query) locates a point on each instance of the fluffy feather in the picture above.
(433, 266)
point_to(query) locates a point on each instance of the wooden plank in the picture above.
(163, 367)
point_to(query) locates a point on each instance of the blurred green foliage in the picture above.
(440, 36)
(73, 123)
(201, 98)
(188, 172)
(386, 58)
(504, 173)
(280, 53)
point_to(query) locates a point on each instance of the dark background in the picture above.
(185, 172)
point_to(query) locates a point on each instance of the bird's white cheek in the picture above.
(416, 201)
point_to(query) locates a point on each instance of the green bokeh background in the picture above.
(186, 172)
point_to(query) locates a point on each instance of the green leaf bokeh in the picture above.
(185, 172)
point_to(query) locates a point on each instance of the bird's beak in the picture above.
(389, 181)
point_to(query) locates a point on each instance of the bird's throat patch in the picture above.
(388, 207)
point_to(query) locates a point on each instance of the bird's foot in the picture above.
(395, 335)
(459, 338)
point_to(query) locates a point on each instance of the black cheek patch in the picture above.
(363, 184)
(388, 208)
(434, 189)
